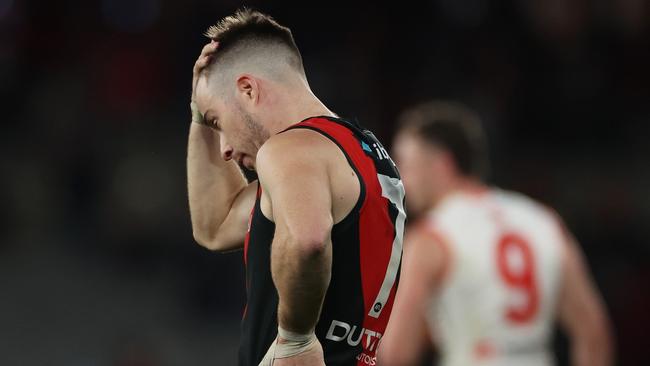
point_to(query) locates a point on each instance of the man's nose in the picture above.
(226, 150)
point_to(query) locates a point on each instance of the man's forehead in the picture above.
(203, 95)
(202, 85)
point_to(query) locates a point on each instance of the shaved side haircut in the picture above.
(250, 41)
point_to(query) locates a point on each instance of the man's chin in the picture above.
(248, 163)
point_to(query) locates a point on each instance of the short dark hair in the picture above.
(247, 25)
(454, 127)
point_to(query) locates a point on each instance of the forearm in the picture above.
(301, 274)
(212, 183)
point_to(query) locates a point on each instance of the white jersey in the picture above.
(496, 304)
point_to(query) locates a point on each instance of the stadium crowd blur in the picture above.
(97, 261)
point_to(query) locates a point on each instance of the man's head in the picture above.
(241, 89)
(439, 146)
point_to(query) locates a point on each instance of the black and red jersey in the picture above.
(367, 252)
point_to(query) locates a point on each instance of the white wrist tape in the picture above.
(197, 117)
(293, 343)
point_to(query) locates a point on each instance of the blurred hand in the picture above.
(204, 60)
(313, 356)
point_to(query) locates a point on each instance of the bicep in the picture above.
(232, 232)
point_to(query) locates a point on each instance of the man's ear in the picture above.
(248, 88)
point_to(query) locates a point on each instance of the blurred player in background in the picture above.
(486, 272)
(321, 230)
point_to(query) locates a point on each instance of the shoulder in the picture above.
(290, 156)
(523, 204)
(427, 250)
(536, 213)
(295, 146)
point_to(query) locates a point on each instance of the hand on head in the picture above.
(204, 60)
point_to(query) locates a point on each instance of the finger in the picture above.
(209, 48)
(203, 62)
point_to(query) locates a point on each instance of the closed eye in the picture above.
(212, 121)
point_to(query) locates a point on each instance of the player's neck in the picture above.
(466, 185)
(299, 106)
(471, 185)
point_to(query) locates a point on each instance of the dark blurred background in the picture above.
(97, 261)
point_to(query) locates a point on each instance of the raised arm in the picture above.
(582, 313)
(219, 196)
(220, 199)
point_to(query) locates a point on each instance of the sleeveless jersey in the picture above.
(366, 257)
(497, 300)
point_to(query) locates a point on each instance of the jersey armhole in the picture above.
(441, 241)
(362, 185)
(564, 249)
(566, 238)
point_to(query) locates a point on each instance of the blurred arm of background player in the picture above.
(220, 198)
(582, 314)
(423, 268)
